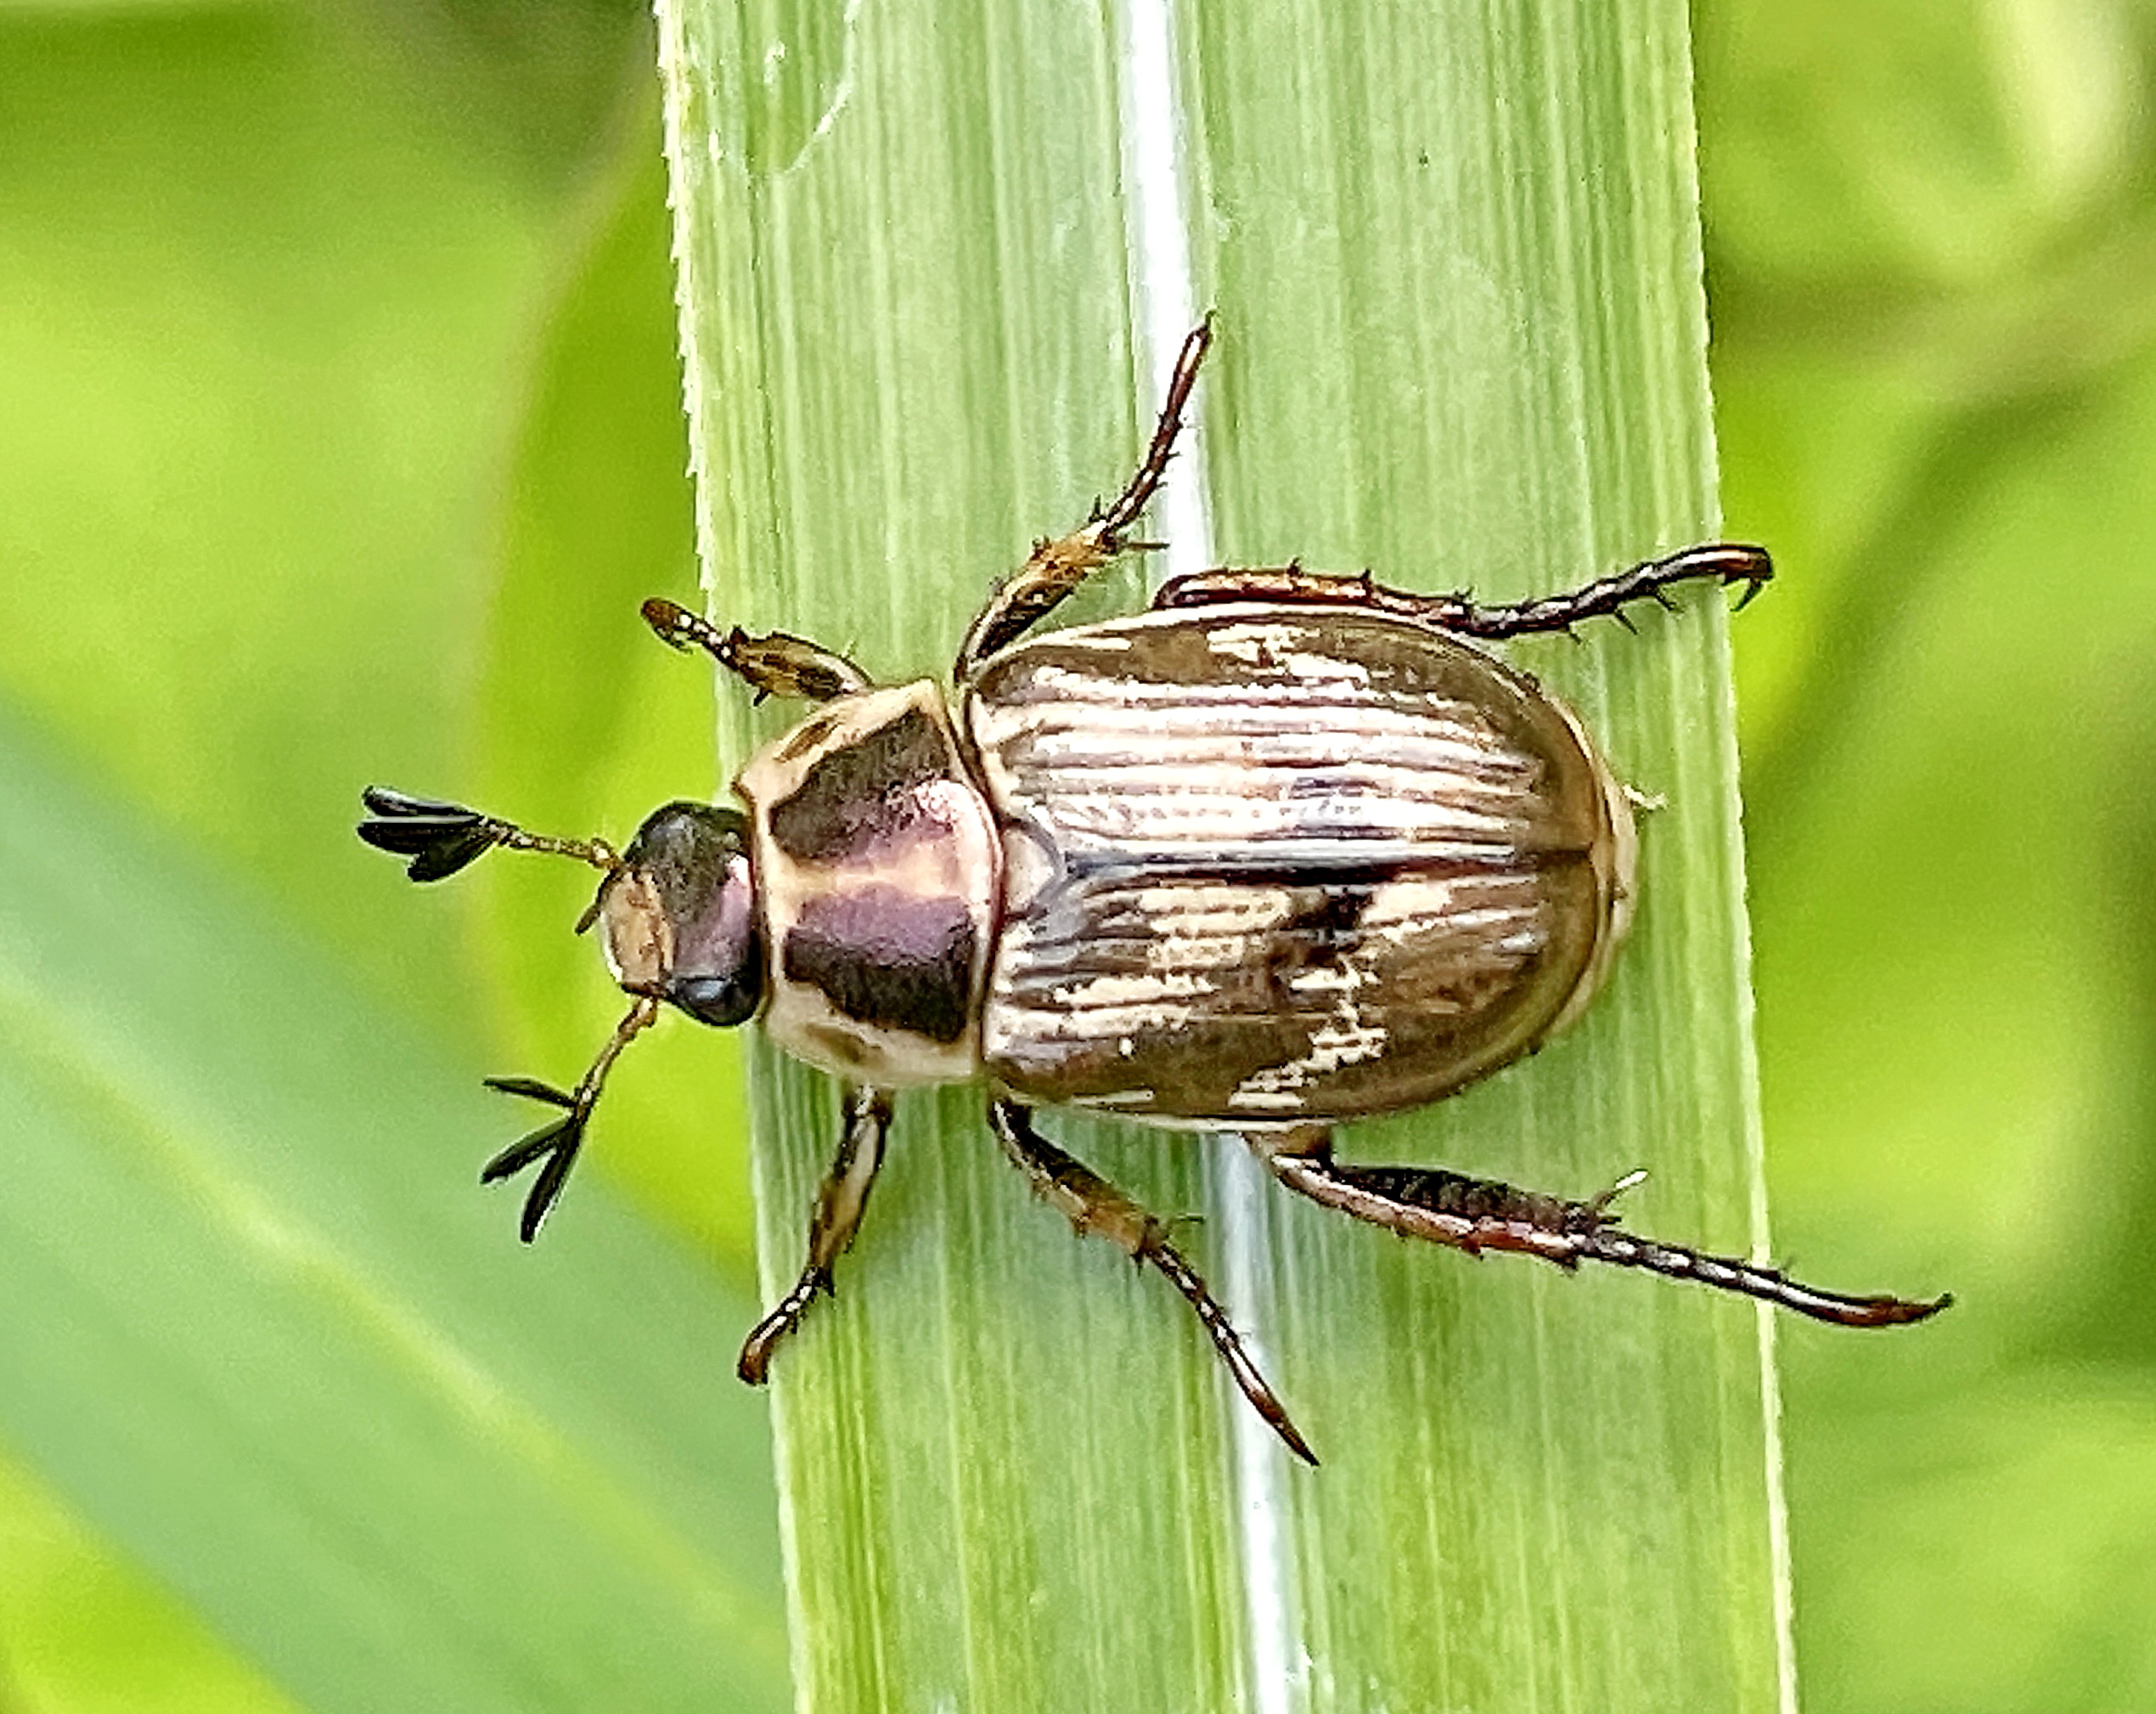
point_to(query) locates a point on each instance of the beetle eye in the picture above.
(681, 916)
(718, 954)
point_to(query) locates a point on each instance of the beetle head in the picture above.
(680, 915)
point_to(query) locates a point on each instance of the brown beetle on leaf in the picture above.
(1286, 850)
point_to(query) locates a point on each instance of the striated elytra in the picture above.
(1285, 850)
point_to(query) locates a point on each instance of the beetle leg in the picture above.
(841, 1202)
(1717, 562)
(1097, 1209)
(1480, 1214)
(554, 1146)
(776, 665)
(1057, 566)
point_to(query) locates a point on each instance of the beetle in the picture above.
(1286, 850)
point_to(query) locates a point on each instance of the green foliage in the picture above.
(1455, 271)
(337, 439)
(277, 1361)
(1931, 235)
(584, 723)
(294, 1421)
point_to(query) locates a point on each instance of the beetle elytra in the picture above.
(1286, 849)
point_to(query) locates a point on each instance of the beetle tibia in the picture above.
(776, 665)
(840, 1203)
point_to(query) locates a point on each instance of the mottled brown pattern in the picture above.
(1283, 867)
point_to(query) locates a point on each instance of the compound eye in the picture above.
(681, 916)
(718, 965)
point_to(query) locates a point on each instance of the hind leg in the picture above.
(1482, 1214)
(1722, 563)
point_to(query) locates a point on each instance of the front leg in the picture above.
(1480, 1214)
(1058, 567)
(840, 1201)
(1723, 563)
(1097, 1208)
(776, 665)
(553, 1146)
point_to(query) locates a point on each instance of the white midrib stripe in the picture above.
(1164, 308)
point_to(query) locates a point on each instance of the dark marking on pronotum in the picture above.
(888, 959)
(856, 796)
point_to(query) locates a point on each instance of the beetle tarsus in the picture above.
(1111, 521)
(1723, 563)
(1608, 1243)
(754, 1364)
(1167, 1261)
(840, 1201)
(1097, 1208)
(555, 1145)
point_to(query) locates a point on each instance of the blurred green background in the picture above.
(338, 426)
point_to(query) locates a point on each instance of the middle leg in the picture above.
(1097, 1208)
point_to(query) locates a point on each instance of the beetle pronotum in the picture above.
(1285, 850)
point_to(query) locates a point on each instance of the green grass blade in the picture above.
(265, 1334)
(280, 1395)
(929, 264)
